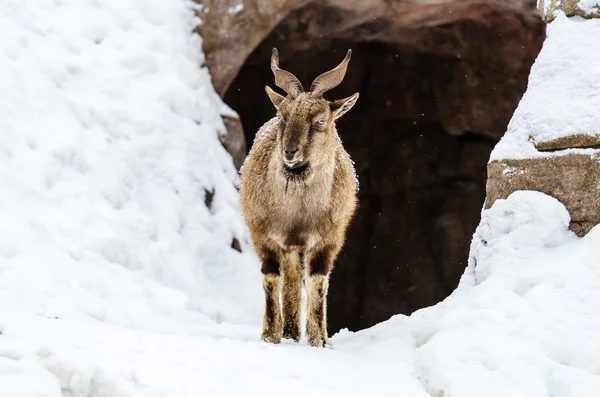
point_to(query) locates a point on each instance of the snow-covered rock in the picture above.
(553, 139)
(562, 99)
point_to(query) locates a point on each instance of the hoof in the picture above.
(271, 338)
(292, 334)
(320, 342)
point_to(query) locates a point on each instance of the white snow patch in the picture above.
(589, 6)
(563, 93)
(512, 171)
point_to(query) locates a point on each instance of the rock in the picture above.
(475, 84)
(231, 29)
(234, 140)
(235, 244)
(569, 141)
(571, 8)
(557, 113)
(572, 179)
(231, 32)
(208, 197)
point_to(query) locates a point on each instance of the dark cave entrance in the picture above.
(422, 171)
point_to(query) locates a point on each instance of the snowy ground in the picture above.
(117, 280)
(524, 322)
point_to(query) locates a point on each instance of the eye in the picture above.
(319, 125)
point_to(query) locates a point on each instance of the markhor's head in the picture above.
(308, 119)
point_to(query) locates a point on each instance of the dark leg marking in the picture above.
(272, 287)
(321, 263)
(270, 264)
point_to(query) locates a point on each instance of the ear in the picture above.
(341, 106)
(275, 98)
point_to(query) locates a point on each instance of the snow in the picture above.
(523, 322)
(563, 93)
(589, 6)
(109, 140)
(117, 280)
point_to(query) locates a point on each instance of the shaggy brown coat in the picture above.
(298, 194)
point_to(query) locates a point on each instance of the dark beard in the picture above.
(297, 173)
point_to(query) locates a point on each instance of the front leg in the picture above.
(292, 296)
(272, 327)
(320, 266)
(316, 321)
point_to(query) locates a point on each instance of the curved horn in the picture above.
(331, 79)
(284, 79)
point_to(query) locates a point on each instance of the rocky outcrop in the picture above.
(573, 179)
(232, 29)
(551, 143)
(439, 81)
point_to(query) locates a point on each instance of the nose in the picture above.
(290, 151)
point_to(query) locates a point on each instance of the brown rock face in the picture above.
(439, 81)
(234, 140)
(231, 29)
(570, 141)
(572, 179)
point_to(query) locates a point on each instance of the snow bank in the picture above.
(563, 93)
(524, 318)
(108, 142)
